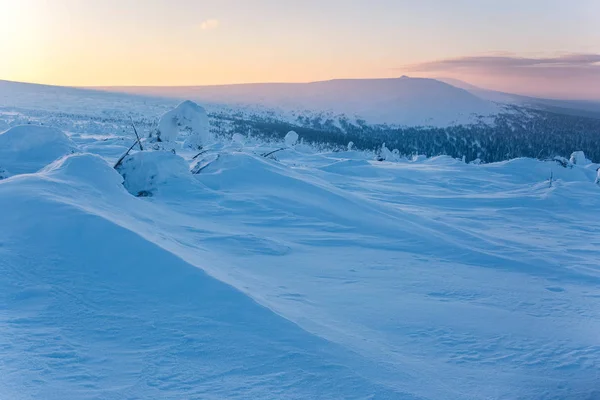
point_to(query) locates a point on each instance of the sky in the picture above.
(491, 43)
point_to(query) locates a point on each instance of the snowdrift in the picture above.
(93, 310)
(28, 148)
(87, 170)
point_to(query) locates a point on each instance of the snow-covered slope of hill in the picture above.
(585, 108)
(308, 274)
(402, 101)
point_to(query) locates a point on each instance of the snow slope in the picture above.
(307, 275)
(402, 101)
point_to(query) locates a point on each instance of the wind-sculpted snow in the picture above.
(304, 274)
(97, 311)
(28, 148)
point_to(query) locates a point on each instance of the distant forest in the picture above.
(518, 132)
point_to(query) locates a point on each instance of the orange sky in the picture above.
(196, 42)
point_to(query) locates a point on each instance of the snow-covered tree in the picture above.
(578, 158)
(187, 118)
(291, 139)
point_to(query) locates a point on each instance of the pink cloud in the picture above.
(572, 76)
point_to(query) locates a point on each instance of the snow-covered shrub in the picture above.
(4, 173)
(28, 148)
(350, 146)
(144, 172)
(598, 176)
(386, 155)
(578, 158)
(189, 119)
(238, 138)
(291, 138)
(563, 162)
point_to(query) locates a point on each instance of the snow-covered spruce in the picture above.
(28, 148)
(188, 119)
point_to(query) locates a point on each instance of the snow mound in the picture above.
(291, 138)
(188, 118)
(89, 169)
(579, 158)
(28, 148)
(145, 172)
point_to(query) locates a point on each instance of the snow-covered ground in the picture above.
(302, 275)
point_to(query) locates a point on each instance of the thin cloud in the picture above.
(573, 75)
(210, 24)
(570, 61)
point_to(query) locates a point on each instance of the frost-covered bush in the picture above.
(28, 148)
(350, 146)
(4, 173)
(563, 162)
(144, 172)
(188, 119)
(386, 155)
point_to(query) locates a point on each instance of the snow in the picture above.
(28, 148)
(189, 118)
(316, 275)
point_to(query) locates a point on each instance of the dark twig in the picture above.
(136, 134)
(202, 152)
(273, 152)
(197, 171)
(126, 154)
